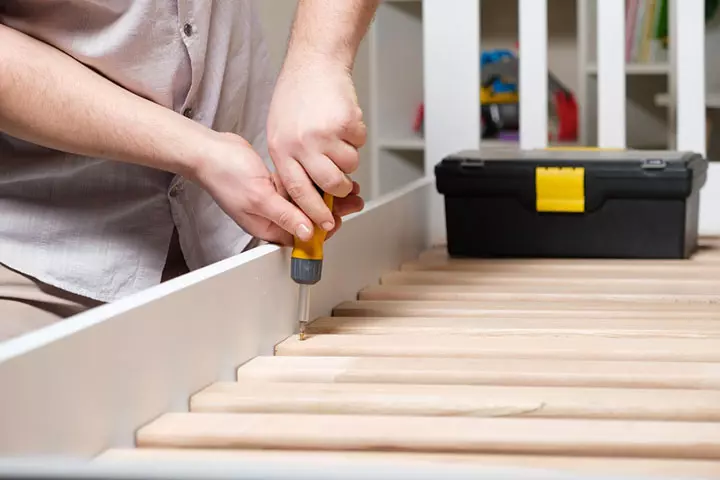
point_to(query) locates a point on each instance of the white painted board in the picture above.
(85, 384)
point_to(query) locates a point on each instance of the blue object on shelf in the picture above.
(492, 56)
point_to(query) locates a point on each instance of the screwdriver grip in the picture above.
(307, 256)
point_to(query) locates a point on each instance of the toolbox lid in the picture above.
(586, 176)
(600, 174)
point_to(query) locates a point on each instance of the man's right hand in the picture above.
(236, 177)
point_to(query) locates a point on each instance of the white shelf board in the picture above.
(409, 143)
(417, 143)
(637, 69)
(712, 100)
(493, 143)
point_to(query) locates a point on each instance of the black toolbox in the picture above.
(571, 202)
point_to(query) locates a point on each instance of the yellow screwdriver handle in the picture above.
(307, 255)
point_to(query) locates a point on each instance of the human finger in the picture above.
(327, 175)
(344, 155)
(346, 206)
(338, 224)
(355, 133)
(304, 194)
(284, 214)
(264, 229)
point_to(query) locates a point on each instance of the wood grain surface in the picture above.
(586, 311)
(527, 326)
(553, 284)
(509, 346)
(587, 365)
(658, 468)
(439, 259)
(568, 268)
(460, 293)
(458, 400)
(707, 252)
(661, 439)
(485, 371)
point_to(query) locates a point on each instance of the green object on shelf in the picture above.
(662, 30)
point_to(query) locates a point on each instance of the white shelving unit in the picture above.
(396, 92)
(648, 123)
(397, 153)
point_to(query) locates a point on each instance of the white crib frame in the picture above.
(75, 389)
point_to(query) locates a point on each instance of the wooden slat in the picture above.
(513, 346)
(569, 272)
(708, 251)
(485, 371)
(301, 458)
(570, 268)
(472, 293)
(589, 311)
(458, 400)
(487, 326)
(549, 283)
(692, 440)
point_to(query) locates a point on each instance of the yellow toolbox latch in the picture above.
(560, 189)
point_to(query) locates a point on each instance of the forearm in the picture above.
(48, 98)
(330, 29)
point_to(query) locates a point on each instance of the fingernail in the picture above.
(327, 226)
(303, 232)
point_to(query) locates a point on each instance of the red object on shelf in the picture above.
(417, 125)
(567, 115)
(566, 111)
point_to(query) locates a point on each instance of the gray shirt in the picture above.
(100, 228)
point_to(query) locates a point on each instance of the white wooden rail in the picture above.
(452, 93)
(84, 385)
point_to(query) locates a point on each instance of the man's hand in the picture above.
(236, 177)
(315, 124)
(315, 129)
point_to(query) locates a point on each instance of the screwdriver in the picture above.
(306, 266)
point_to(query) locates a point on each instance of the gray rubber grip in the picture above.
(306, 272)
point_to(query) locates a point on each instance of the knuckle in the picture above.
(357, 114)
(254, 198)
(294, 144)
(284, 220)
(349, 161)
(314, 136)
(335, 183)
(283, 144)
(295, 190)
(353, 161)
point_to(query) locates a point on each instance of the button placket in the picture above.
(187, 30)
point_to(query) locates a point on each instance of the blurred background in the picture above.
(389, 78)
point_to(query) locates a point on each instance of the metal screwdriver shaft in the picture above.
(304, 309)
(306, 268)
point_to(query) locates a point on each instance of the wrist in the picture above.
(313, 62)
(193, 161)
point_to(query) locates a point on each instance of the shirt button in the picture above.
(188, 29)
(188, 112)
